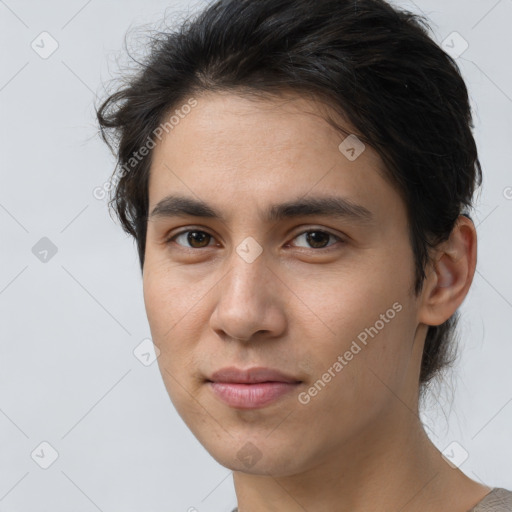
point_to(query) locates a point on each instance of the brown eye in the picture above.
(194, 238)
(317, 239)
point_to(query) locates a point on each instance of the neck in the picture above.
(396, 467)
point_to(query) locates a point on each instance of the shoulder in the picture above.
(498, 500)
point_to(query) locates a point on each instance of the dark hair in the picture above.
(372, 63)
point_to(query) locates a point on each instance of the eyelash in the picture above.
(176, 235)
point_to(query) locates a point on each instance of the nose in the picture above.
(249, 301)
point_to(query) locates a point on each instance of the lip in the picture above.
(251, 388)
(252, 375)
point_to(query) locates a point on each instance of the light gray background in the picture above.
(68, 374)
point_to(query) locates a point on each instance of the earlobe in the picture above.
(451, 274)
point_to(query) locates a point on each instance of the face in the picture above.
(319, 291)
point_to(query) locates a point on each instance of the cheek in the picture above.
(176, 320)
(171, 301)
(167, 316)
(368, 319)
(381, 303)
(358, 380)
(352, 298)
(160, 303)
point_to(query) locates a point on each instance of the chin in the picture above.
(257, 455)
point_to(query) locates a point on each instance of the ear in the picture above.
(450, 275)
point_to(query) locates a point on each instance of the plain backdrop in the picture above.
(72, 313)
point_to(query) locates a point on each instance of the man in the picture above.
(297, 175)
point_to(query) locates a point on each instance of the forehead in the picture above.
(240, 149)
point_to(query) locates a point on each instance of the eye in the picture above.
(317, 239)
(196, 238)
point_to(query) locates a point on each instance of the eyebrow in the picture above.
(330, 206)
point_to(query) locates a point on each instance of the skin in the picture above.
(358, 445)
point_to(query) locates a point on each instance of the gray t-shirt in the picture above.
(498, 500)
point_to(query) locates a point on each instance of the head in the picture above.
(261, 119)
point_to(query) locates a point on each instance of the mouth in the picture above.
(251, 388)
(251, 396)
